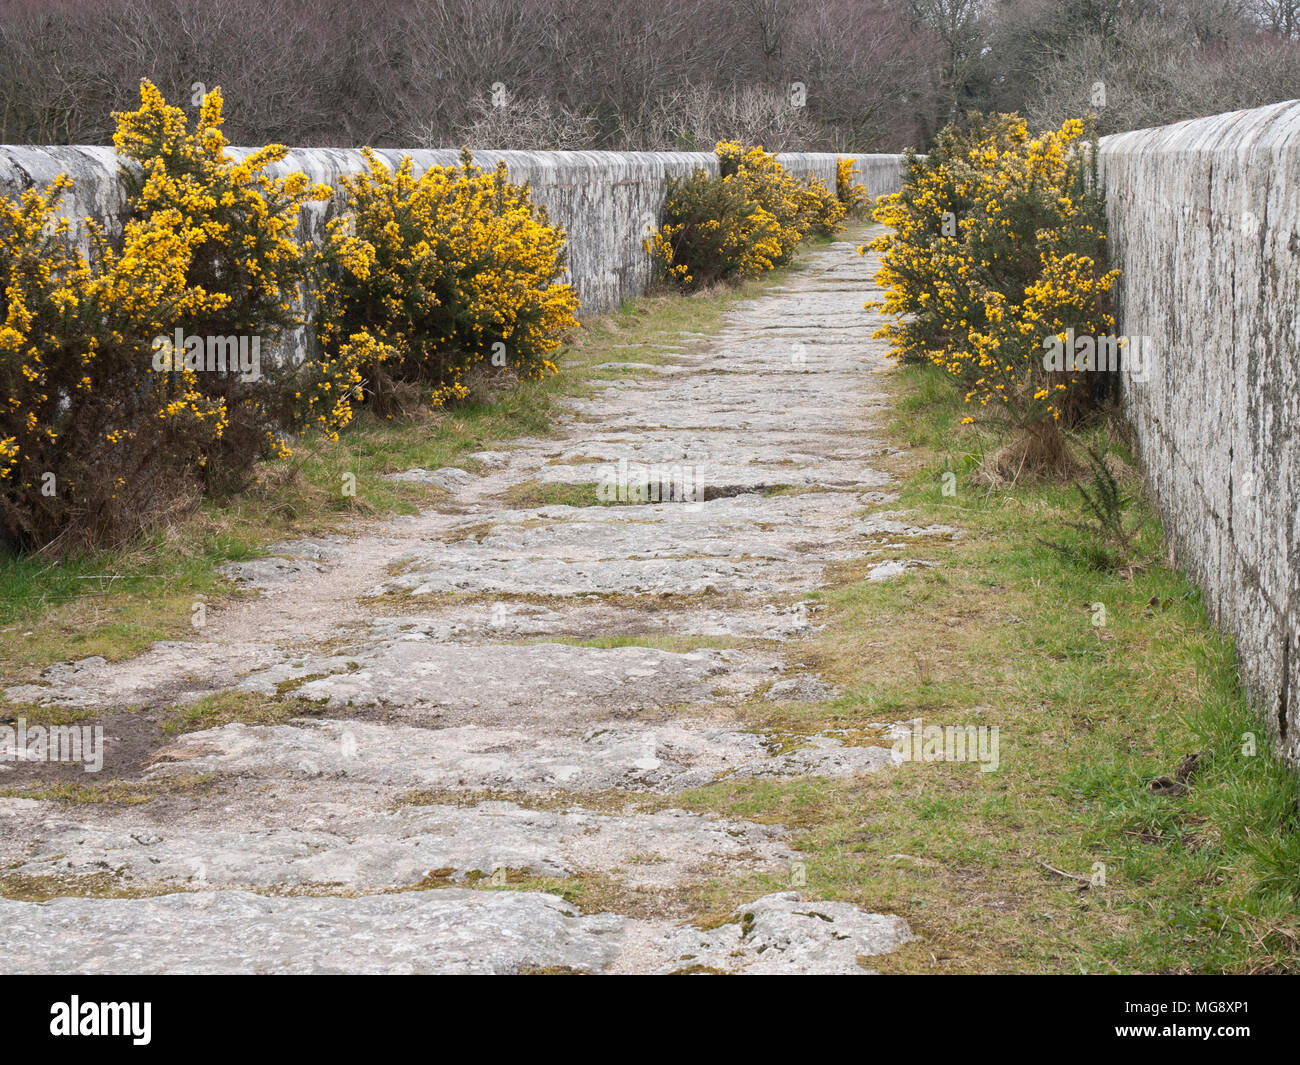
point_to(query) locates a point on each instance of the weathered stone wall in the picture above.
(606, 201)
(1205, 222)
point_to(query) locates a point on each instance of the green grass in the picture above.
(116, 792)
(248, 708)
(528, 494)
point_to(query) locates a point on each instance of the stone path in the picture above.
(463, 743)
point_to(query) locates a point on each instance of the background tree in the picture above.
(880, 75)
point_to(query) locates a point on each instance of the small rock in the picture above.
(782, 934)
(884, 571)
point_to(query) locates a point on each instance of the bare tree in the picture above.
(879, 74)
(959, 32)
(528, 123)
(696, 117)
(1280, 16)
(1156, 72)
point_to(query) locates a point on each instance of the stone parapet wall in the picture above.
(605, 201)
(1205, 222)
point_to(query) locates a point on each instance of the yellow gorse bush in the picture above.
(89, 439)
(996, 243)
(243, 223)
(747, 220)
(106, 423)
(822, 208)
(852, 194)
(466, 271)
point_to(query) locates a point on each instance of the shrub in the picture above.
(249, 260)
(93, 443)
(919, 266)
(466, 270)
(997, 244)
(853, 195)
(711, 232)
(748, 219)
(773, 189)
(823, 210)
(127, 387)
(108, 421)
